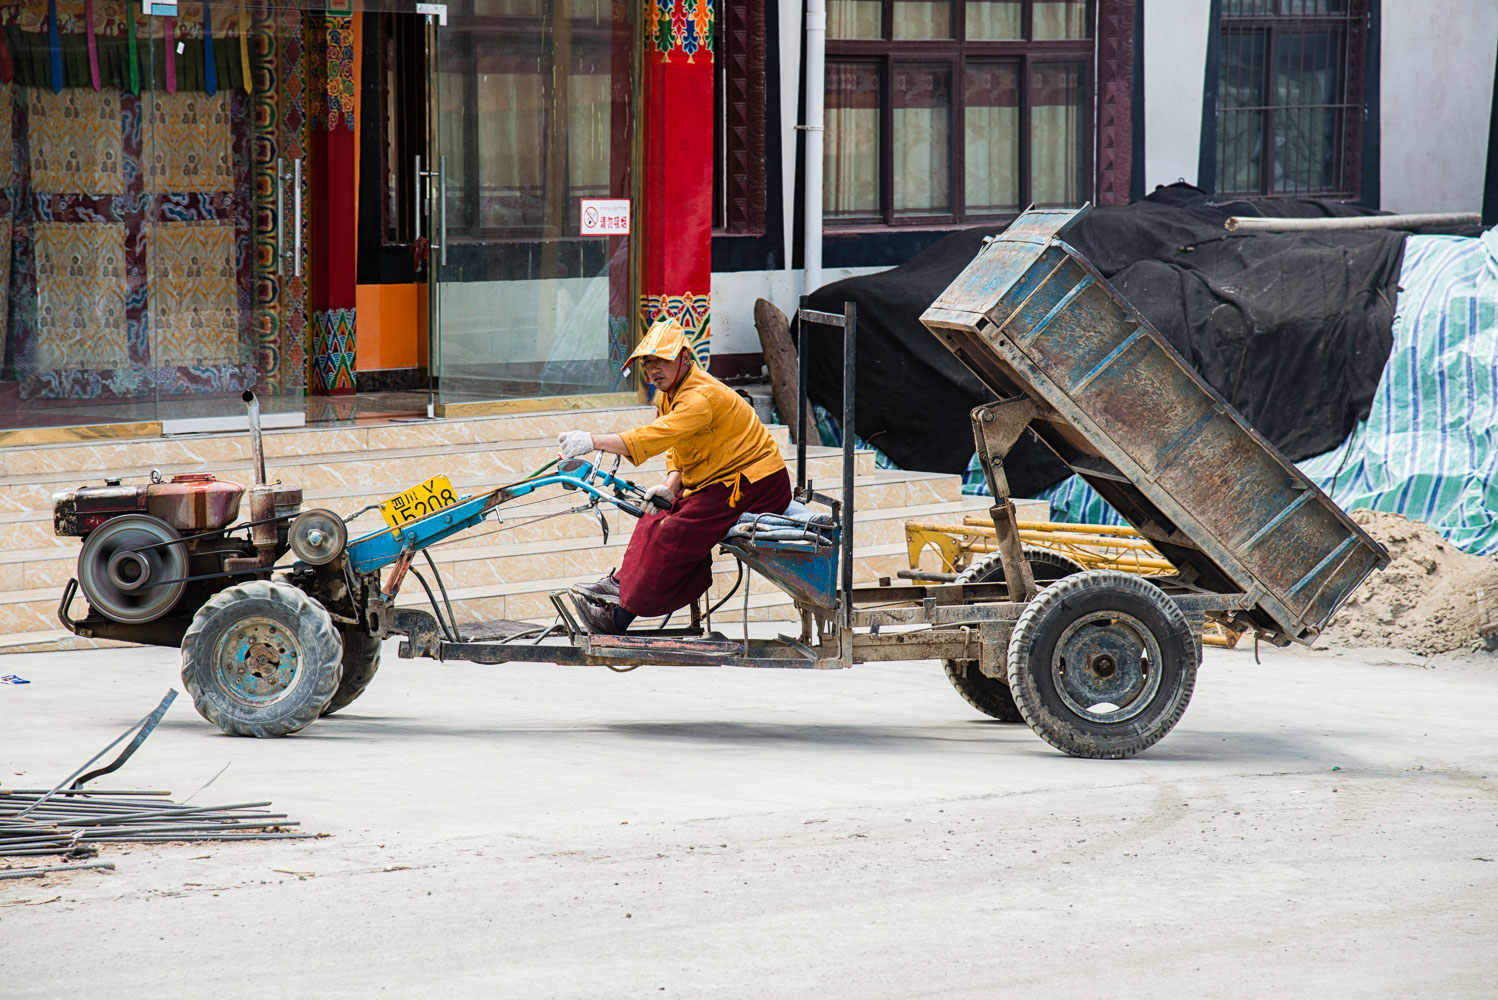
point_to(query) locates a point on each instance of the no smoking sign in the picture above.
(605, 217)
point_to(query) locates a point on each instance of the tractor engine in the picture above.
(154, 552)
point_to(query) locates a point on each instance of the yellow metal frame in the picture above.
(1093, 546)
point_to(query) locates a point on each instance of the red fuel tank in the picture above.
(194, 501)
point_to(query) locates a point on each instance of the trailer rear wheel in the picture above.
(261, 659)
(361, 658)
(1102, 664)
(1046, 565)
(990, 695)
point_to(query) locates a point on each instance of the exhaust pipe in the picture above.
(257, 446)
(262, 496)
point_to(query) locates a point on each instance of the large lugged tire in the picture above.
(261, 659)
(1046, 565)
(1102, 664)
(361, 658)
(990, 695)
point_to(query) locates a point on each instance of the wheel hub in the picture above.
(1106, 666)
(258, 660)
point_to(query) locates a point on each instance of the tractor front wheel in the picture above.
(261, 659)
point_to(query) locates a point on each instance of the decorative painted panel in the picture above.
(192, 141)
(80, 291)
(193, 294)
(75, 141)
(693, 312)
(334, 345)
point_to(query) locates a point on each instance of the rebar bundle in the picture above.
(34, 822)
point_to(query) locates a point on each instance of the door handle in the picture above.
(416, 198)
(442, 209)
(280, 215)
(296, 217)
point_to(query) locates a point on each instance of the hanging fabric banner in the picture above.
(134, 57)
(244, 48)
(7, 71)
(169, 33)
(54, 46)
(93, 43)
(210, 70)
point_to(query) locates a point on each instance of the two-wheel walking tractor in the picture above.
(280, 616)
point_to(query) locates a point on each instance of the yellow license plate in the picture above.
(419, 501)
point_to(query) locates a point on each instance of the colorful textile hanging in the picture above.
(169, 33)
(7, 71)
(678, 136)
(134, 56)
(210, 70)
(244, 47)
(54, 46)
(93, 43)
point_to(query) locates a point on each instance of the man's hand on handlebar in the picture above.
(574, 444)
(661, 496)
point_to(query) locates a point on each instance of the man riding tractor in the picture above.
(720, 463)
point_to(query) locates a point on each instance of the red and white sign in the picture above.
(605, 217)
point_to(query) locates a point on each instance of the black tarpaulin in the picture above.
(1292, 328)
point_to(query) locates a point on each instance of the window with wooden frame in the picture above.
(951, 111)
(739, 119)
(1290, 98)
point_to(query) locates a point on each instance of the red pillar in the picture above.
(332, 209)
(677, 213)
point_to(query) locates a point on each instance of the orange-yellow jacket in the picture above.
(709, 434)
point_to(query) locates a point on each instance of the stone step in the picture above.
(30, 530)
(22, 531)
(137, 455)
(336, 473)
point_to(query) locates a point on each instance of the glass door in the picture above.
(530, 182)
(225, 111)
(75, 215)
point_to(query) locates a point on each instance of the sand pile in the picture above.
(1429, 599)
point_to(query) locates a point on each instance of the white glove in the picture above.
(662, 491)
(575, 444)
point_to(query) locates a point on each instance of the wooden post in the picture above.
(780, 357)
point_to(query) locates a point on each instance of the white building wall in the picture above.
(734, 293)
(1175, 72)
(1436, 92)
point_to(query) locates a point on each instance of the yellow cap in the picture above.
(665, 339)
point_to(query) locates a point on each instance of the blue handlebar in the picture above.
(381, 548)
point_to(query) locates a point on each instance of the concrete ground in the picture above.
(1315, 826)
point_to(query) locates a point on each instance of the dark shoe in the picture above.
(596, 617)
(605, 590)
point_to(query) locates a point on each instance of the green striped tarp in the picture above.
(1429, 448)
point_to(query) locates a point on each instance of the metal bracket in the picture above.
(569, 621)
(420, 629)
(64, 606)
(996, 429)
